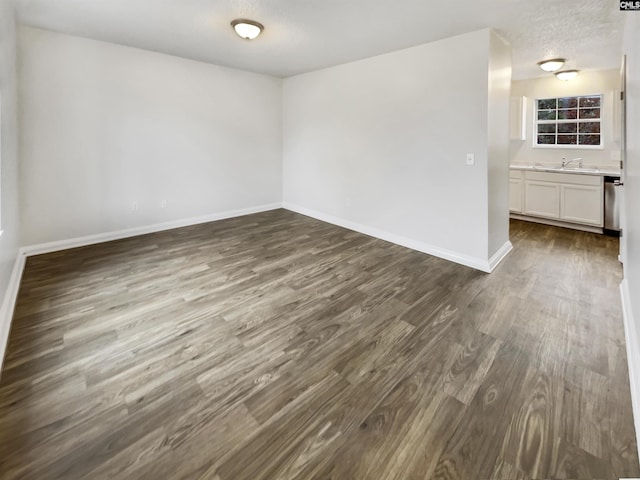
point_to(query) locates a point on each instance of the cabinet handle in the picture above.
(618, 183)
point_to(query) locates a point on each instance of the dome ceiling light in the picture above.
(567, 75)
(551, 65)
(247, 29)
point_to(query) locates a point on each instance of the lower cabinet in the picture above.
(542, 199)
(565, 197)
(581, 204)
(516, 191)
(515, 195)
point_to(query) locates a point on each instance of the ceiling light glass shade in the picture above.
(551, 65)
(567, 75)
(247, 29)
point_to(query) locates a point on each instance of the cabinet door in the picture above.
(582, 204)
(515, 195)
(542, 199)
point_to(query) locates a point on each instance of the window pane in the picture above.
(569, 121)
(567, 139)
(547, 104)
(589, 113)
(590, 101)
(590, 127)
(568, 114)
(547, 115)
(589, 139)
(547, 128)
(568, 128)
(568, 102)
(546, 139)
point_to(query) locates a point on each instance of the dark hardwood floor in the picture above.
(275, 346)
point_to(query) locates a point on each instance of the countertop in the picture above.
(605, 171)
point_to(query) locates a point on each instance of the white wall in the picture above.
(380, 144)
(9, 215)
(498, 136)
(630, 287)
(632, 179)
(104, 125)
(586, 83)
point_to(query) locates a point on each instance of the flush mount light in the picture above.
(247, 29)
(567, 75)
(551, 65)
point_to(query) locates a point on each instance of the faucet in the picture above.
(565, 162)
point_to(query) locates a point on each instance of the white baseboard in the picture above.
(477, 263)
(500, 255)
(633, 356)
(9, 303)
(132, 232)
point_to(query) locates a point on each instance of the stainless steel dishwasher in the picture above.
(611, 206)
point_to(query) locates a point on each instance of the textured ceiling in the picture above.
(305, 35)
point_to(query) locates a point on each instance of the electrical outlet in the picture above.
(471, 159)
(163, 204)
(134, 206)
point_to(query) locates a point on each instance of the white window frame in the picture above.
(537, 122)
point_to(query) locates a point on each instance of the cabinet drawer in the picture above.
(572, 178)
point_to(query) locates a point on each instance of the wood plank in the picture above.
(278, 346)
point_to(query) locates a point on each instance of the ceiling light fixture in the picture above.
(551, 65)
(247, 29)
(567, 75)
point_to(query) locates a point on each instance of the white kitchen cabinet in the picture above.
(582, 204)
(516, 191)
(542, 199)
(515, 195)
(565, 197)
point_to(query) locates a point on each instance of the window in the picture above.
(568, 122)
